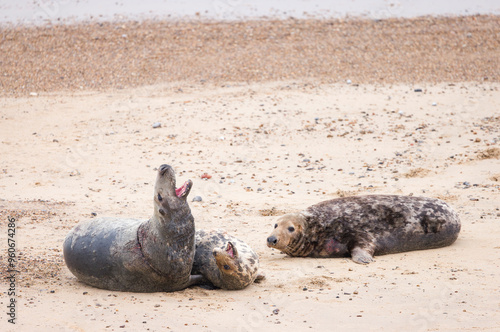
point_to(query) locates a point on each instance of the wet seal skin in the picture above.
(138, 255)
(225, 261)
(364, 226)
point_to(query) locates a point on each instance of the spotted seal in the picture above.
(138, 255)
(364, 226)
(225, 261)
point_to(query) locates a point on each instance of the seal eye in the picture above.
(226, 267)
(159, 197)
(291, 229)
(275, 225)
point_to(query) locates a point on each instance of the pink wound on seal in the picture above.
(331, 246)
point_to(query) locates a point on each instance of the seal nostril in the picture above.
(163, 168)
(272, 240)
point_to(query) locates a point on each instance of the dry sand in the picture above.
(271, 147)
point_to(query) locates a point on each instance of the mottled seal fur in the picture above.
(364, 226)
(224, 260)
(138, 255)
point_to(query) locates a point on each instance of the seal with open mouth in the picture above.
(138, 255)
(364, 226)
(224, 260)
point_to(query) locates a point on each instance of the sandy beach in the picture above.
(282, 115)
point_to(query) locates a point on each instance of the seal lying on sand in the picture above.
(363, 226)
(225, 261)
(137, 255)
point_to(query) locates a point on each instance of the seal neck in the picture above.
(299, 247)
(168, 245)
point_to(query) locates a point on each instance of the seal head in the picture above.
(288, 235)
(169, 199)
(225, 261)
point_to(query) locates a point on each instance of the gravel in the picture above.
(97, 56)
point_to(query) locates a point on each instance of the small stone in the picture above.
(434, 104)
(94, 214)
(197, 199)
(276, 311)
(157, 125)
(33, 94)
(417, 90)
(348, 81)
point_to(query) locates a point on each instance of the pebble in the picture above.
(469, 63)
(157, 125)
(197, 199)
(434, 104)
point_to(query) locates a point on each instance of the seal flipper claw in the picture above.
(361, 256)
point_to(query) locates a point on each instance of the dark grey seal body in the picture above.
(364, 226)
(225, 261)
(138, 255)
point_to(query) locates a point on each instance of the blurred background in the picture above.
(39, 11)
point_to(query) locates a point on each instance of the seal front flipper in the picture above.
(260, 277)
(361, 256)
(197, 279)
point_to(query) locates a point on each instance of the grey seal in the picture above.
(138, 255)
(364, 226)
(225, 261)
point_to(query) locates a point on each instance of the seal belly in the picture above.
(430, 223)
(418, 237)
(100, 251)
